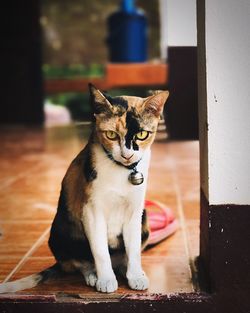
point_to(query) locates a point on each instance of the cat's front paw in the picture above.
(106, 284)
(139, 282)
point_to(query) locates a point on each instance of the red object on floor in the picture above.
(162, 222)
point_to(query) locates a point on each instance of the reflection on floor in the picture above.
(32, 164)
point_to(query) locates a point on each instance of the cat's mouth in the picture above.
(126, 163)
(129, 163)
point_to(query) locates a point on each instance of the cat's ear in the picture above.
(99, 102)
(155, 103)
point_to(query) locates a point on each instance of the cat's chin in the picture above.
(128, 164)
(124, 163)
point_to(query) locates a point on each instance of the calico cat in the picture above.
(100, 222)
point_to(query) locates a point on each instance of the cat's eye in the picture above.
(111, 135)
(142, 135)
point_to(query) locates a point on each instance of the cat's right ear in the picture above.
(100, 103)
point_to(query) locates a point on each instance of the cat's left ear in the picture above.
(100, 103)
(155, 104)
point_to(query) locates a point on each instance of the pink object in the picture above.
(162, 222)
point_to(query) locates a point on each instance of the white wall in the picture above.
(178, 23)
(227, 25)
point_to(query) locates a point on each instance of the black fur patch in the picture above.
(118, 101)
(133, 127)
(120, 247)
(135, 145)
(62, 241)
(145, 232)
(89, 171)
(65, 247)
(50, 272)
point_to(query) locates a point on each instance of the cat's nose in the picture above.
(127, 157)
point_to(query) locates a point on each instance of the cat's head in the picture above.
(125, 125)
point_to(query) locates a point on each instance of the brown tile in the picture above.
(168, 274)
(46, 175)
(6, 266)
(193, 233)
(26, 207)
(17, 238)
(11, 170)
(191, 209)
(33, 265)
(172, 246)
(43, 250)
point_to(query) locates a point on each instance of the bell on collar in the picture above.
(136, 178)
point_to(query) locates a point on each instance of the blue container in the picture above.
(127, 39)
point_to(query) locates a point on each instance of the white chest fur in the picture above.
(114, 194)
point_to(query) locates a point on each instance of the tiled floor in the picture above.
(32, 164)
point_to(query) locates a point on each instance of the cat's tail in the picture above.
(30, 281)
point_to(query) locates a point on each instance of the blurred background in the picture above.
(52, 49)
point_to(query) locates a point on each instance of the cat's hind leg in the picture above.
(86, 268)
(89, 273)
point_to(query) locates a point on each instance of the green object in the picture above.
(73, 71)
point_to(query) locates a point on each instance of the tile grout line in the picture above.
(183, 225)
(27, 254)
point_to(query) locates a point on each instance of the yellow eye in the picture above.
(142, 135)
(111, 135)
